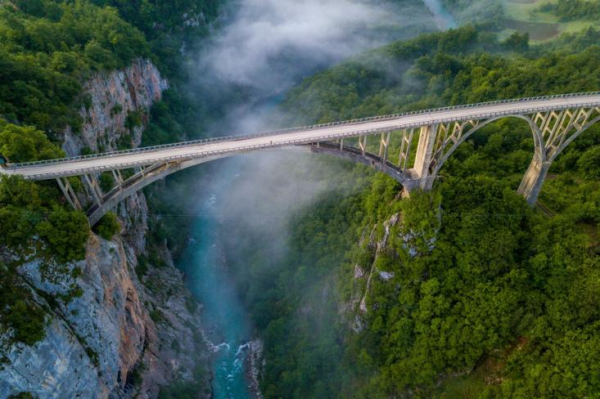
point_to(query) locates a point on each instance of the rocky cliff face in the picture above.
(116, 109)
(118, 325)
(120, 338)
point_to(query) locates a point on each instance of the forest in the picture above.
(488, 297)
(574, 10)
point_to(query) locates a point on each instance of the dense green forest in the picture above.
(488, 12)
(489, 298)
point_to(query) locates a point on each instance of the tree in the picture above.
(589, 163)
(65, 233)
(26, 144)
(517, 42)
(108, 226)
(28, 322)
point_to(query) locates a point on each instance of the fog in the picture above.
(262, 49)
(269, 44)
(265, 47)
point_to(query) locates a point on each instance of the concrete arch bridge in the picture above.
(410, 147)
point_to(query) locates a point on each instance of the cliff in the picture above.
(367, 270)
(120, 324)
(115, 110)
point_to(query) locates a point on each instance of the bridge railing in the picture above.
(296, 129)
(280, 144)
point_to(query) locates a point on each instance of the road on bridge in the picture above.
(239, 144)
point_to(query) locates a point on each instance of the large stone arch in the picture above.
(545, 150)
(356, 156)
(535, 176)
(572, 138)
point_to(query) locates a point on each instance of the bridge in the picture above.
(410, 147)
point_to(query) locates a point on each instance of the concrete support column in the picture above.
(94, 188)
(384, 146)
(424, 157)
(405, 147)
(362, 144)
(69, 193)
(118, 177)
(534, 178)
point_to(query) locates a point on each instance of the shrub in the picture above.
(27, 321)
(65, 233)
(108, 226)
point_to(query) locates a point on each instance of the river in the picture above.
(228, 327)
(252, 50)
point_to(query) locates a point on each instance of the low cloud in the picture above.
(268, 44)
(263, 49)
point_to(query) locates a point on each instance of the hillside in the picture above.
(82, 314)
(463, 292)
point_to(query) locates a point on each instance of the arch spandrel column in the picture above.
(554, 132)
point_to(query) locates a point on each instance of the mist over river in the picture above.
(262, 49)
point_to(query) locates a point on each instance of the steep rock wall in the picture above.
(106, 342)
(110, 99)
(110, 332)
(356, 308)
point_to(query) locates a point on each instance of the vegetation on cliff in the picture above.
(47, 48)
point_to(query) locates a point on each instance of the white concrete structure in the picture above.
(555, 122)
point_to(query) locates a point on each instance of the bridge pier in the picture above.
(94, 188)
(69, 193)
(425, 150)
(118, 177)
(534, 178)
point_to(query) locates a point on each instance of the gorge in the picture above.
(290, 274)
(239, 38)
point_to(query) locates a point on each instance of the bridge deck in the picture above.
(312, 134)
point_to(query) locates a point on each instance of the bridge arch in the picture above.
(536, 133)
(159, 171)
(552, 133)
(574, 137)
(137, 182)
